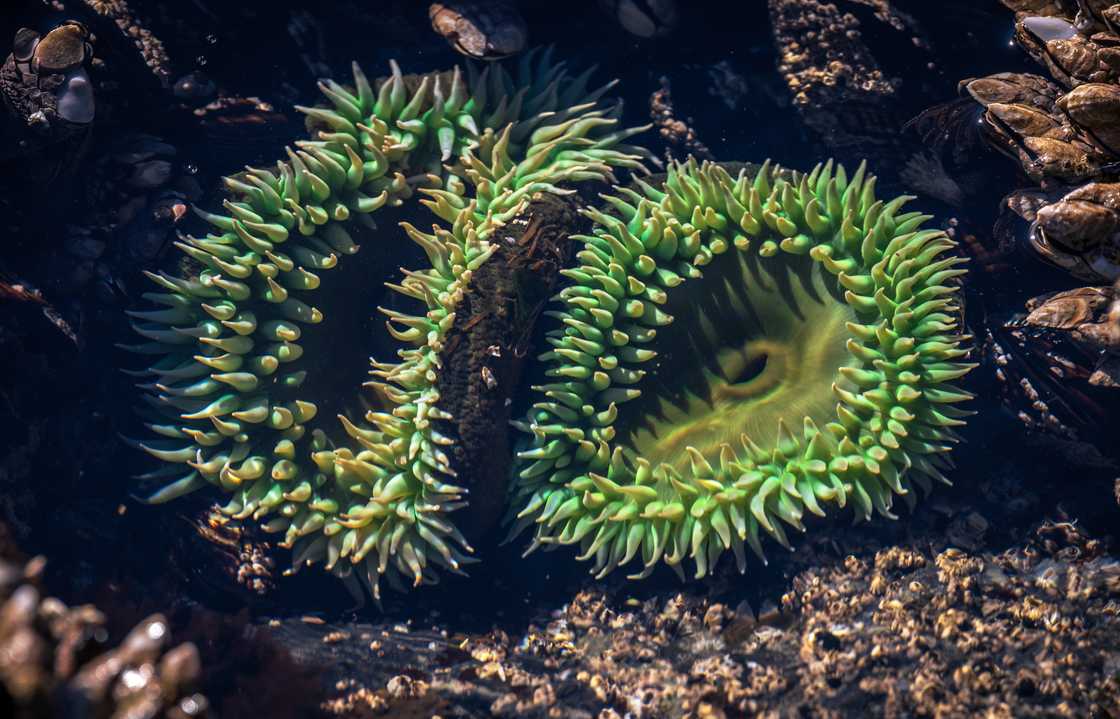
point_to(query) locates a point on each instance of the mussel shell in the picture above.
(1058, 159)
(1104, 260)
(63, 48)
(1014, 88)
(1110, 57)
(1026, 203)
(648, 19)
(1077, 265)
(1111, 16)
(195, 86)
(1077, 224)
(1078, 58)
(23, 47)
(1106, 194)
(1097, 7)
(1023, 120)
(1048, 29)
(1067, 310)
(1096, 108)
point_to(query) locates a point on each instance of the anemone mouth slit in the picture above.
(751, 370)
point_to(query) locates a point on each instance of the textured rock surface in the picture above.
(915, 628)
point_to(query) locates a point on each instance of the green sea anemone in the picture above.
(225, 392)
(732, 353)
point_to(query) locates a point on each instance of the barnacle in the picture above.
(225, 390)
(732, 353)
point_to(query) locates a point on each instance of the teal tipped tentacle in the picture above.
(224, 392)
(733, 352)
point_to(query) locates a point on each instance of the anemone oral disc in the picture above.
(764, 345)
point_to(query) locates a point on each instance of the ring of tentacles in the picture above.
(810, 361)
(732, 353)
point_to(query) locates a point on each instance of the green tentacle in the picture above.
(225, 390)
(732, 353)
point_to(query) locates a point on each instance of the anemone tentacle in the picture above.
(810, 364)
(224, 391)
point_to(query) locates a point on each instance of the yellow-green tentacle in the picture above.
(224, 392)
(653, 441)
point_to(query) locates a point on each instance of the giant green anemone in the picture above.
(224, 393)
(732, 353)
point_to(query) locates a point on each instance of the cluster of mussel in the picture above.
(44, 79)
(1064, 131)
(56, 660)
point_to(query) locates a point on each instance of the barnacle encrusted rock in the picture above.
(732, 353)
(225, 390)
